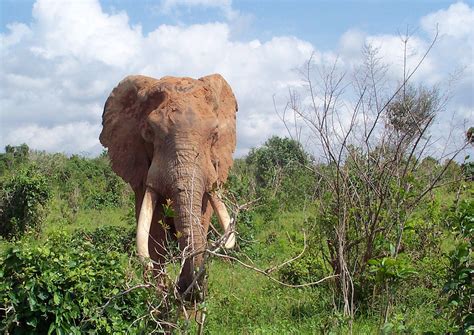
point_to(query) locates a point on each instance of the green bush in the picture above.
(23, 197)
(109, 238)
(246, 231)
(459, 285)
(13, 157)
(277, 153)
(306, 269)
(281, 174)
(65, 286)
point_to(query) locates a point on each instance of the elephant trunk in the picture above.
(191, 234)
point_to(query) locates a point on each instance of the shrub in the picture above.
(66, 286)
(276, 154)
(280, 169)
(24, 196)
(310, 267)
(110, 238)
(14, 156)
(459, 287)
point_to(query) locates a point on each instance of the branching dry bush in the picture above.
(370, 153)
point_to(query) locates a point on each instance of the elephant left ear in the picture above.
(225, 106)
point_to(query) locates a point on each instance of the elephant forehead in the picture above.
(174, 85)
(184, 114)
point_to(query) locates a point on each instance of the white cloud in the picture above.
(80, 29)
(57, 71)
(449, 65)
(18, 31)
(79, 137)
(60, 69)
(457, 21)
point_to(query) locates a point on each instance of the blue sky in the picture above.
(60, 59)
(319, 22)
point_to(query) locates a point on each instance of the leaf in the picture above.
(392, 249)
(32, 302)
(373, 262)
(32, 322)
(42, 296)
(56, 299)
(168, 209)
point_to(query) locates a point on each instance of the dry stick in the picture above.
(276, 267)
(406, 80)
(124, 292)
(267, 275)
(438, 177)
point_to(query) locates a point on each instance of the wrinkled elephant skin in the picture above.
(172, 138)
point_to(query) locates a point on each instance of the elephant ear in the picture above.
(225, 106)
(125, 130)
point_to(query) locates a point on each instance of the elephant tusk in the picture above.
(224, 220)
(144, 224)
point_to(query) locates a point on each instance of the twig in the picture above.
(267, 275)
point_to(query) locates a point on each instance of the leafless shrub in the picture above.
(370, 140)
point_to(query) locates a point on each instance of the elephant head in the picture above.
(173, 138)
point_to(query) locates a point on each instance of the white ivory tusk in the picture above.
(224, 220)
(144, 224)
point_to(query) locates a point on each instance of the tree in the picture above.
(282, 174)
(23, 198)
(411, 110)
(13, 156)
(370, 151)
(276, 155)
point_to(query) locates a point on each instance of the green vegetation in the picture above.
(24, 196)
(68, 254)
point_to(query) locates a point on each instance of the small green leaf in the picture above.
(32, 322)
(56, 299)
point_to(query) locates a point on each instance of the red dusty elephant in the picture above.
(173, 138)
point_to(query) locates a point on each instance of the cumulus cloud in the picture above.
(58, 70)
(78, 137)
(449, 64)
(456, 21)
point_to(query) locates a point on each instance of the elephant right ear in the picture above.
(124, 130)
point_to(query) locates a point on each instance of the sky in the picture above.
(61, 59)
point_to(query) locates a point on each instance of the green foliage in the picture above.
(95, 181)
(246, 231)
(390, 269)
(307, 269)
(241, 183)
(459, 285)
(110, 238)
(14, 156)
(70, 285)
(276, 154)
(468, 166)
(24, 196)
(63, 284)
(281, 169)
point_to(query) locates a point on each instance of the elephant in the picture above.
(173, 139)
